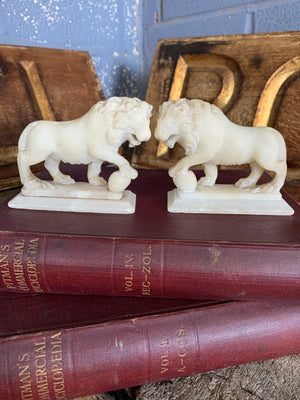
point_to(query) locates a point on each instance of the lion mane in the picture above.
(188, 115)
(116, 110)
(122, 104)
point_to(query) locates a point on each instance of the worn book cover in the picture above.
(151, 253)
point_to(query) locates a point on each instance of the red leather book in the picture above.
(26, 313)
(73, 362)
(151, 253)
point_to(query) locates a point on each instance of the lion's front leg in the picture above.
(177, 169)
(181, 167)
(128, 171)
(119, 161)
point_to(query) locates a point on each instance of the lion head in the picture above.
(179, 121)
(126, 119)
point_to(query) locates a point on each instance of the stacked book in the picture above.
(150, 271)
(92, 303)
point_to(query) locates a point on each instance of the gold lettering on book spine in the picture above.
(164, 357)
(4, 267)
(40, 363)
(147, 269)
(129, 276)
(31, 264)
(143, 273)
(41, 370)
(24, 377)
(182, 350)
(180, 359)
(18, 265)
(57, 366)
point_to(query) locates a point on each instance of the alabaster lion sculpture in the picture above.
(210, 138)
(91, 139)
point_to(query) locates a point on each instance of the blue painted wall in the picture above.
(107, 29)
(183, 18)
(121, 35)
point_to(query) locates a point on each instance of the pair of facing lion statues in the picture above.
(206, 134)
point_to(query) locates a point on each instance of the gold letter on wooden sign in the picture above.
(225, 67)
(273, 92)
(37, 90)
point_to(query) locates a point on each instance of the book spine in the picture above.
(64, 364)
(149, 268)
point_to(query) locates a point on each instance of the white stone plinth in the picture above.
(78, 190)
(227, 199)
(126, 205)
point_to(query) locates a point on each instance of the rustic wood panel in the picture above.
(253, 78)
(38, 83)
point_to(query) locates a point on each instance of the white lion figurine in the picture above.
(210, 138)
(91, 139)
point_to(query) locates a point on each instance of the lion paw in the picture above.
(177, 170)
(244, 183)
(36, 183)
(33, 183)
(97, 181)
(129, 172)
(64, 179)
(172, 172)
(267, 188)
(206, 181)
(47, 185)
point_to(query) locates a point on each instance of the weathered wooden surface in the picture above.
(253, 78)
(117, 395)
(39, 83)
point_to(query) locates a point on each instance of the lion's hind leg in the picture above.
(25, 172)
(252, 178)
(25, 160)
(94, 170)
(52, 165)
(280, 169)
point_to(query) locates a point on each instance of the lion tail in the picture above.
(22, 144)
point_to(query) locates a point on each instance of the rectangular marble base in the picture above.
(79, 190)
(227, 199)
(126, 205)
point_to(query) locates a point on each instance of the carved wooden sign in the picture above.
(253, 78)
(39, 83)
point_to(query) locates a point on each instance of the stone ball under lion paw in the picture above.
(117, 182)
(186, 182)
